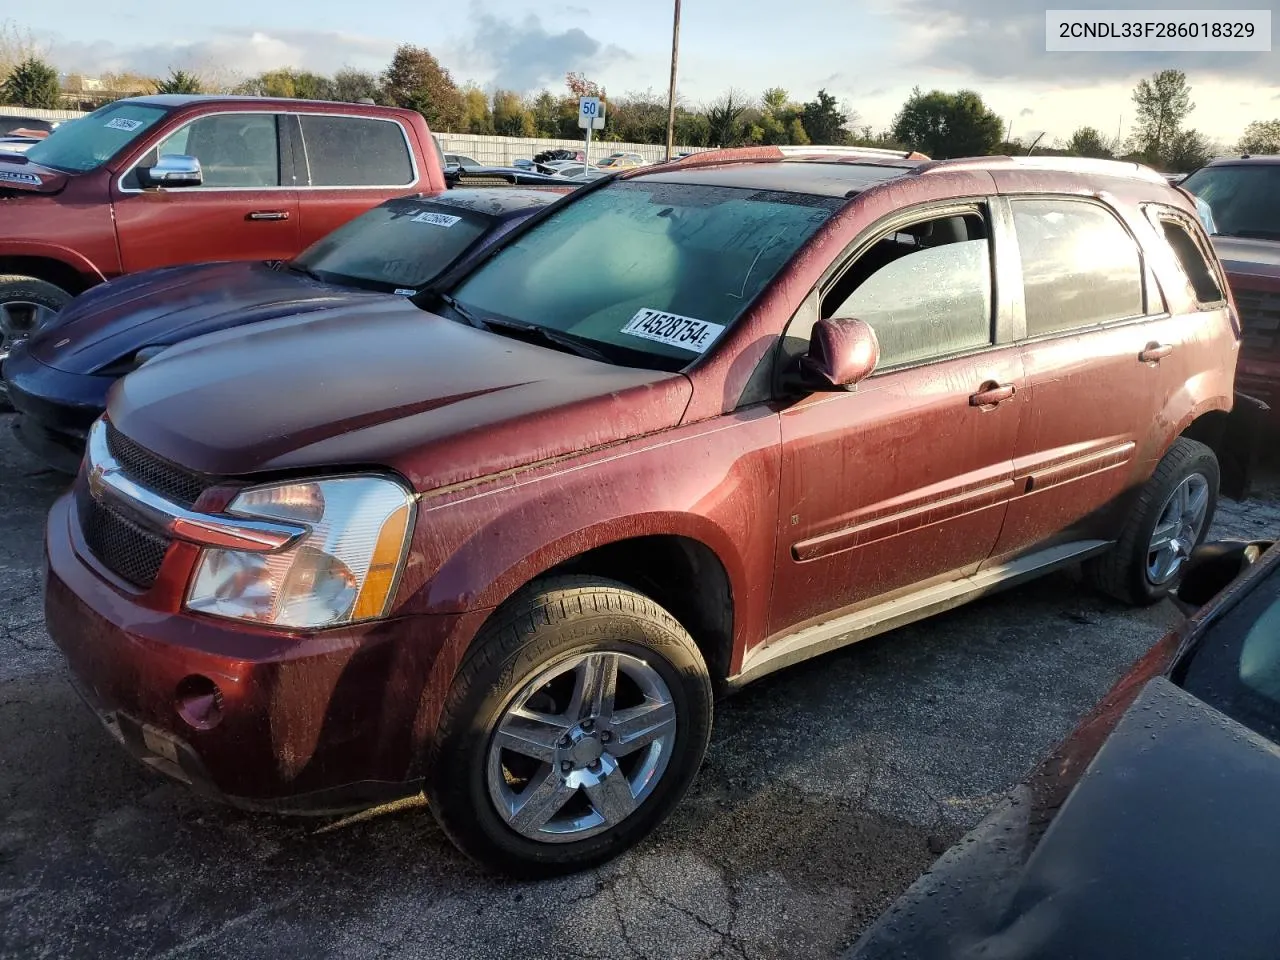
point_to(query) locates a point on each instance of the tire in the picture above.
(25, 304)
(1126, 571)
(536, 652)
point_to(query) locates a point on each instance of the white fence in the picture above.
(493, 151)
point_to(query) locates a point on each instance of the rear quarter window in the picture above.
(1196, 267)
(355, 152)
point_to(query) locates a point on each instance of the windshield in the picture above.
(1245, 198)
(404, 244)
(93, 140)
(660, 270)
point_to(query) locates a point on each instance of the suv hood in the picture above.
(384, 383)
(18, 174)
(111, 322)
(1243, 257)
(1166, 848)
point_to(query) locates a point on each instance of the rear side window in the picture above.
(925, 289)
(1192, 259)
(355, 152)
(1080, 267)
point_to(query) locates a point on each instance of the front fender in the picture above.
(52, 251)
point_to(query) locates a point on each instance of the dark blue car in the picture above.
(58, 380)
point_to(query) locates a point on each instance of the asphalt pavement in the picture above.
(828, 788)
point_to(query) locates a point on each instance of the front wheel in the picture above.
(26, 305)
(575, 725)
(1171, 517)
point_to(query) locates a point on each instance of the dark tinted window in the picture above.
(1079, 265)
(925, 290)
(1236, 665)
(400, 245)
(1192, 259)
(355, 152)
(234, 149)
(1245, 198)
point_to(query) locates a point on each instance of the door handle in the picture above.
(269, 215)
(991, 394)
(1154, 353)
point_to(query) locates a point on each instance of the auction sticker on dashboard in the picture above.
(673, 330)
(124, 123)
(439, 219)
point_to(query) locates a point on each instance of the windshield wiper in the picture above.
(464, 312)
(532, 331)
(294, 267)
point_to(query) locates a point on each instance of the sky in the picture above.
(868, 54)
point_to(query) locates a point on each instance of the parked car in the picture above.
(1244, 195)
(1147, 833)
(13, 124)
(622, 161)
(156, 181)
(18, 144)
(59, 378)
(550, 156)
(461, 160)
(690, 426)
(500, 176)
(524, 164)
(577, 171)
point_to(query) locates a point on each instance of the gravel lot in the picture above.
(827, 790)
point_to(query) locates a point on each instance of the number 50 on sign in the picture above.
(590, 113)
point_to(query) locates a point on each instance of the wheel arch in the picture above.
(67, 270)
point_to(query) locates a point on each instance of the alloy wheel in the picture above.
(19, 319)
(1178, 529)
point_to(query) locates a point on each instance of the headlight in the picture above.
(344, 570)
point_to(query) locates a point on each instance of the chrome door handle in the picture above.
(269, 215)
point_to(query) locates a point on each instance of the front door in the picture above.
(907, 477)
(240, 212)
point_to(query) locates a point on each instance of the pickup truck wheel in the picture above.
(574, 726)
(26, 305)
(1171, 517)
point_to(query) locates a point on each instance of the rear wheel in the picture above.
(26, 305)
(574, 727)
(1171, 517)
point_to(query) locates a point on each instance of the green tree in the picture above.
(33, 83)
(797, 134)
(415, 80)
(477, 117)
(692, 128)
(724, 120)
(546, 114)
(866, 136)
(1089, 142)
(511, 118)
(1188, 150)
(824, 121)
(179, 81)
(1261, 136)
(351, 86)
(1163, 103)
(944, 125)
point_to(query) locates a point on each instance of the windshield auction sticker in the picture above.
(124, 123)
(673, 330)
(439, 219)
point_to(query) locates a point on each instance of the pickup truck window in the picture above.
(399, 245)
(1244, 197)
(658, 269)
(93, 140)
(234, 149)
(355, 152)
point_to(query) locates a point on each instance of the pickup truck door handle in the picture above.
(989, 394)
(1154, 353)
(269, 215)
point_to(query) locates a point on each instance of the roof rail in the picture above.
(766, 154)
(816, 151)
(1109, 168)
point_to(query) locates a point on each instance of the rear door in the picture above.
(347, 165)
(1102, 356)
(246, 208)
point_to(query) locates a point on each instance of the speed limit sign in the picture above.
(590, 113)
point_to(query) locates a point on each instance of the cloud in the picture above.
(523, 55)
(1025, 112)
(1005, 39)
(229, 51)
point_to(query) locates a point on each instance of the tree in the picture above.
(1261, 136)
(724, 120)
(824, 121)
(511, 118)
(178, 81)
(546, 114)
(580, 86)
(1089, 142)
(945, 125)
(17, 44)
(416, 81)
(351, 86)
(1188, 150)
(32, 83)
(1163, 103)
(477, 117)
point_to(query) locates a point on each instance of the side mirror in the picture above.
(175, 170)
(1211, 568)
(841, 353)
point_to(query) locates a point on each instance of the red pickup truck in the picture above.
(155, 181)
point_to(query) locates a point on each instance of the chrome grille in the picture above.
(1260, 317)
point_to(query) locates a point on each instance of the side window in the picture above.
(1191, 257)
(1080, 267)
(925, 289)
(234, 149)
(355, 152)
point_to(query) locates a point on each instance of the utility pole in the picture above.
(671, 99)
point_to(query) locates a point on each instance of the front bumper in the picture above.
(57, 408)
(317, 722)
